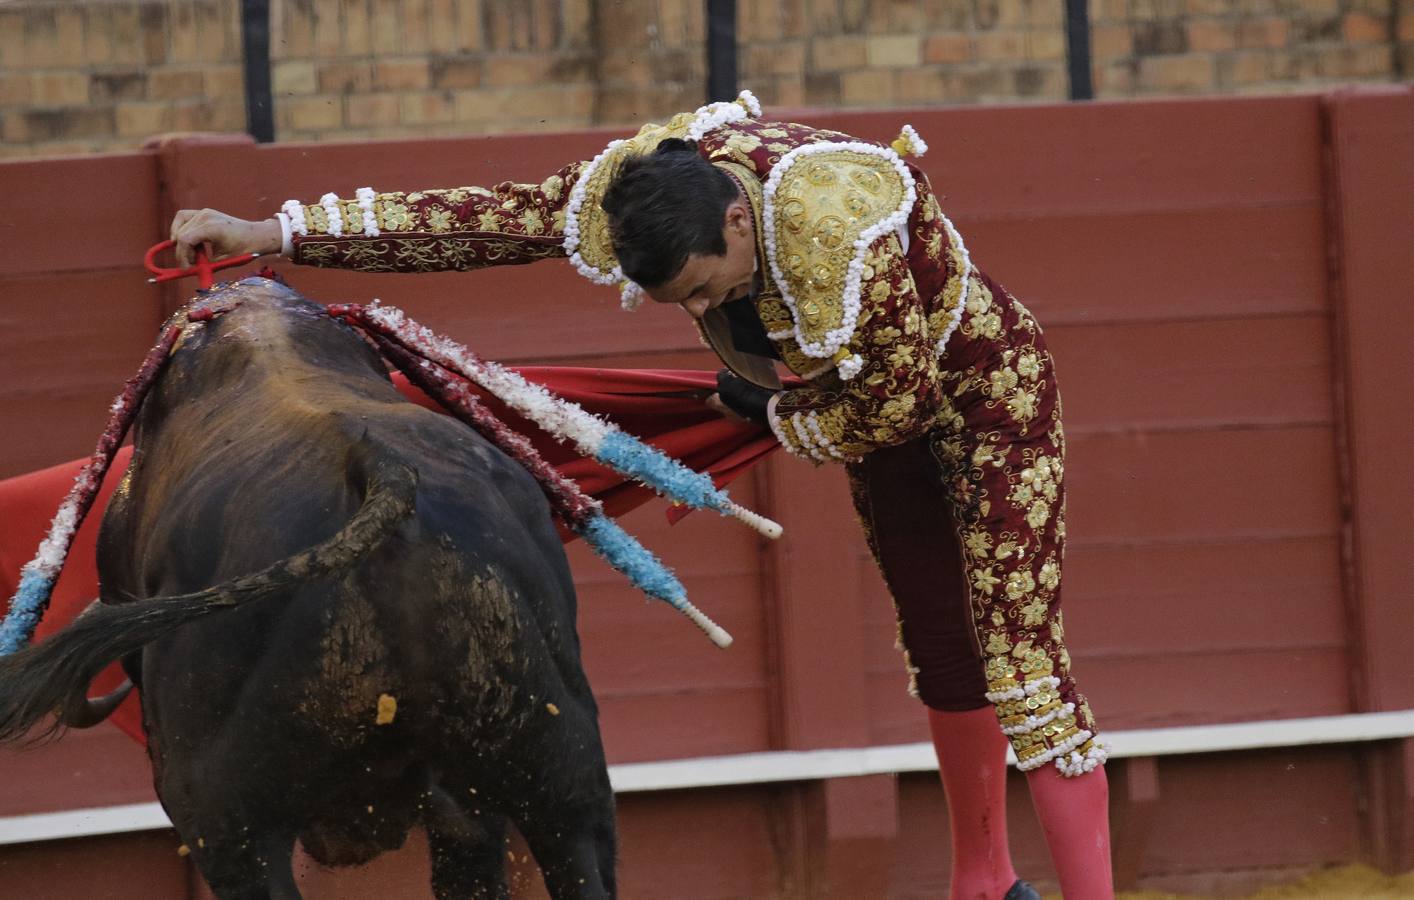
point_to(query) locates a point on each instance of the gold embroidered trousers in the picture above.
(967, 524)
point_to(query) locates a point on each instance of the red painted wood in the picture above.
(98, 767)
(1373, 135)
(1156, 264)
(1201, 485)
(1195, 375)
(70, 342)
(1115, 156)
(77, 214)
(121, 867)
(1176, 253)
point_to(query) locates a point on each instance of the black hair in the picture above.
(665, 206)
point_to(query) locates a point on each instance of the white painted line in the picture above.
(74, 823)
(810, 765)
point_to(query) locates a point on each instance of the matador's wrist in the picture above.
(744, 398)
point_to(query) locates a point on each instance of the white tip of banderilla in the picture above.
(715, 633)
(757, 521)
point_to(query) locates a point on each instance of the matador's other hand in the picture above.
(740, 397)
(221, 235)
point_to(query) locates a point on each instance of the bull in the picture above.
(347, 615)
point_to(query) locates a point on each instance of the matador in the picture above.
(928, 381)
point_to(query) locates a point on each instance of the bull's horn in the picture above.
(86, 712)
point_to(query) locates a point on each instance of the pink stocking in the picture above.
(1074, 813)
(972, 760)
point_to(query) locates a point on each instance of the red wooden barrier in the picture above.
(1225, 287)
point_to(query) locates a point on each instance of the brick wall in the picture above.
(104, 74)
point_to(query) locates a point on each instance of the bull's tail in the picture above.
(54, 676)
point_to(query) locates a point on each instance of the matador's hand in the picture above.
(745, 400)
(221, 235)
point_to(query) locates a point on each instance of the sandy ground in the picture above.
(1345, 883)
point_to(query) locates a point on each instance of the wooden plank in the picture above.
(1220, 597)
(1161, 689)
(142, 866)
(1204, 485)
(1156, 264)
(656, 725)
(672, 654)
(1186, 688)
(1227, 816)
(727, 847)
(1147, 376)
(70, 342)
(108, 198)
(1111, 155)
(1235, 596)
(1212, 812)
(1373, 145)
(97, 767)
(307, 171)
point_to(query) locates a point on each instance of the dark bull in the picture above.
(348, 616)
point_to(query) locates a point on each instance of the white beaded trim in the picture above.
(706, 118)
(564, 419)
(777, 426)
(330, 202)
(366, 197)
(837, 337)
(1034, 722)
(851, 367)
(802, 434)
(577, 194)
(916, 145)
(1036, 686)
(715, 115)
(955, 317)
(1060, 749)
(1015, 693)
(812, 421)
(1075, 764)
(295, 210)
(753, 106)
(630, 296)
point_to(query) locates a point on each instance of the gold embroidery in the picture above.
(818, 225)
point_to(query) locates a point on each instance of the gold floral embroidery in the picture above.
(553, 188)
(532, 223)
(439, 220)
(393, 216)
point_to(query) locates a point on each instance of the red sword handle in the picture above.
(203, 269)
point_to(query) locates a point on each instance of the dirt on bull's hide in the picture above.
(352, 672)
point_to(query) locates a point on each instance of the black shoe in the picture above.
(1022, 891)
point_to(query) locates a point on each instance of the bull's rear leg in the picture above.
(572, 861)
(468, 846)
(246, 868)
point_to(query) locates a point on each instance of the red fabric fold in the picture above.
(663, 407)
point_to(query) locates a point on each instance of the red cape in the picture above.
(663, 407)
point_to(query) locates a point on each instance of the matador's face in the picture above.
(706, 282)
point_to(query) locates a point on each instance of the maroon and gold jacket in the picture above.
(862, 274)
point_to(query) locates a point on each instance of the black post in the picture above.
(255, 43)
(721, 50)
(1077, 42)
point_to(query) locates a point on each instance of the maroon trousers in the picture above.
(906, 510)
